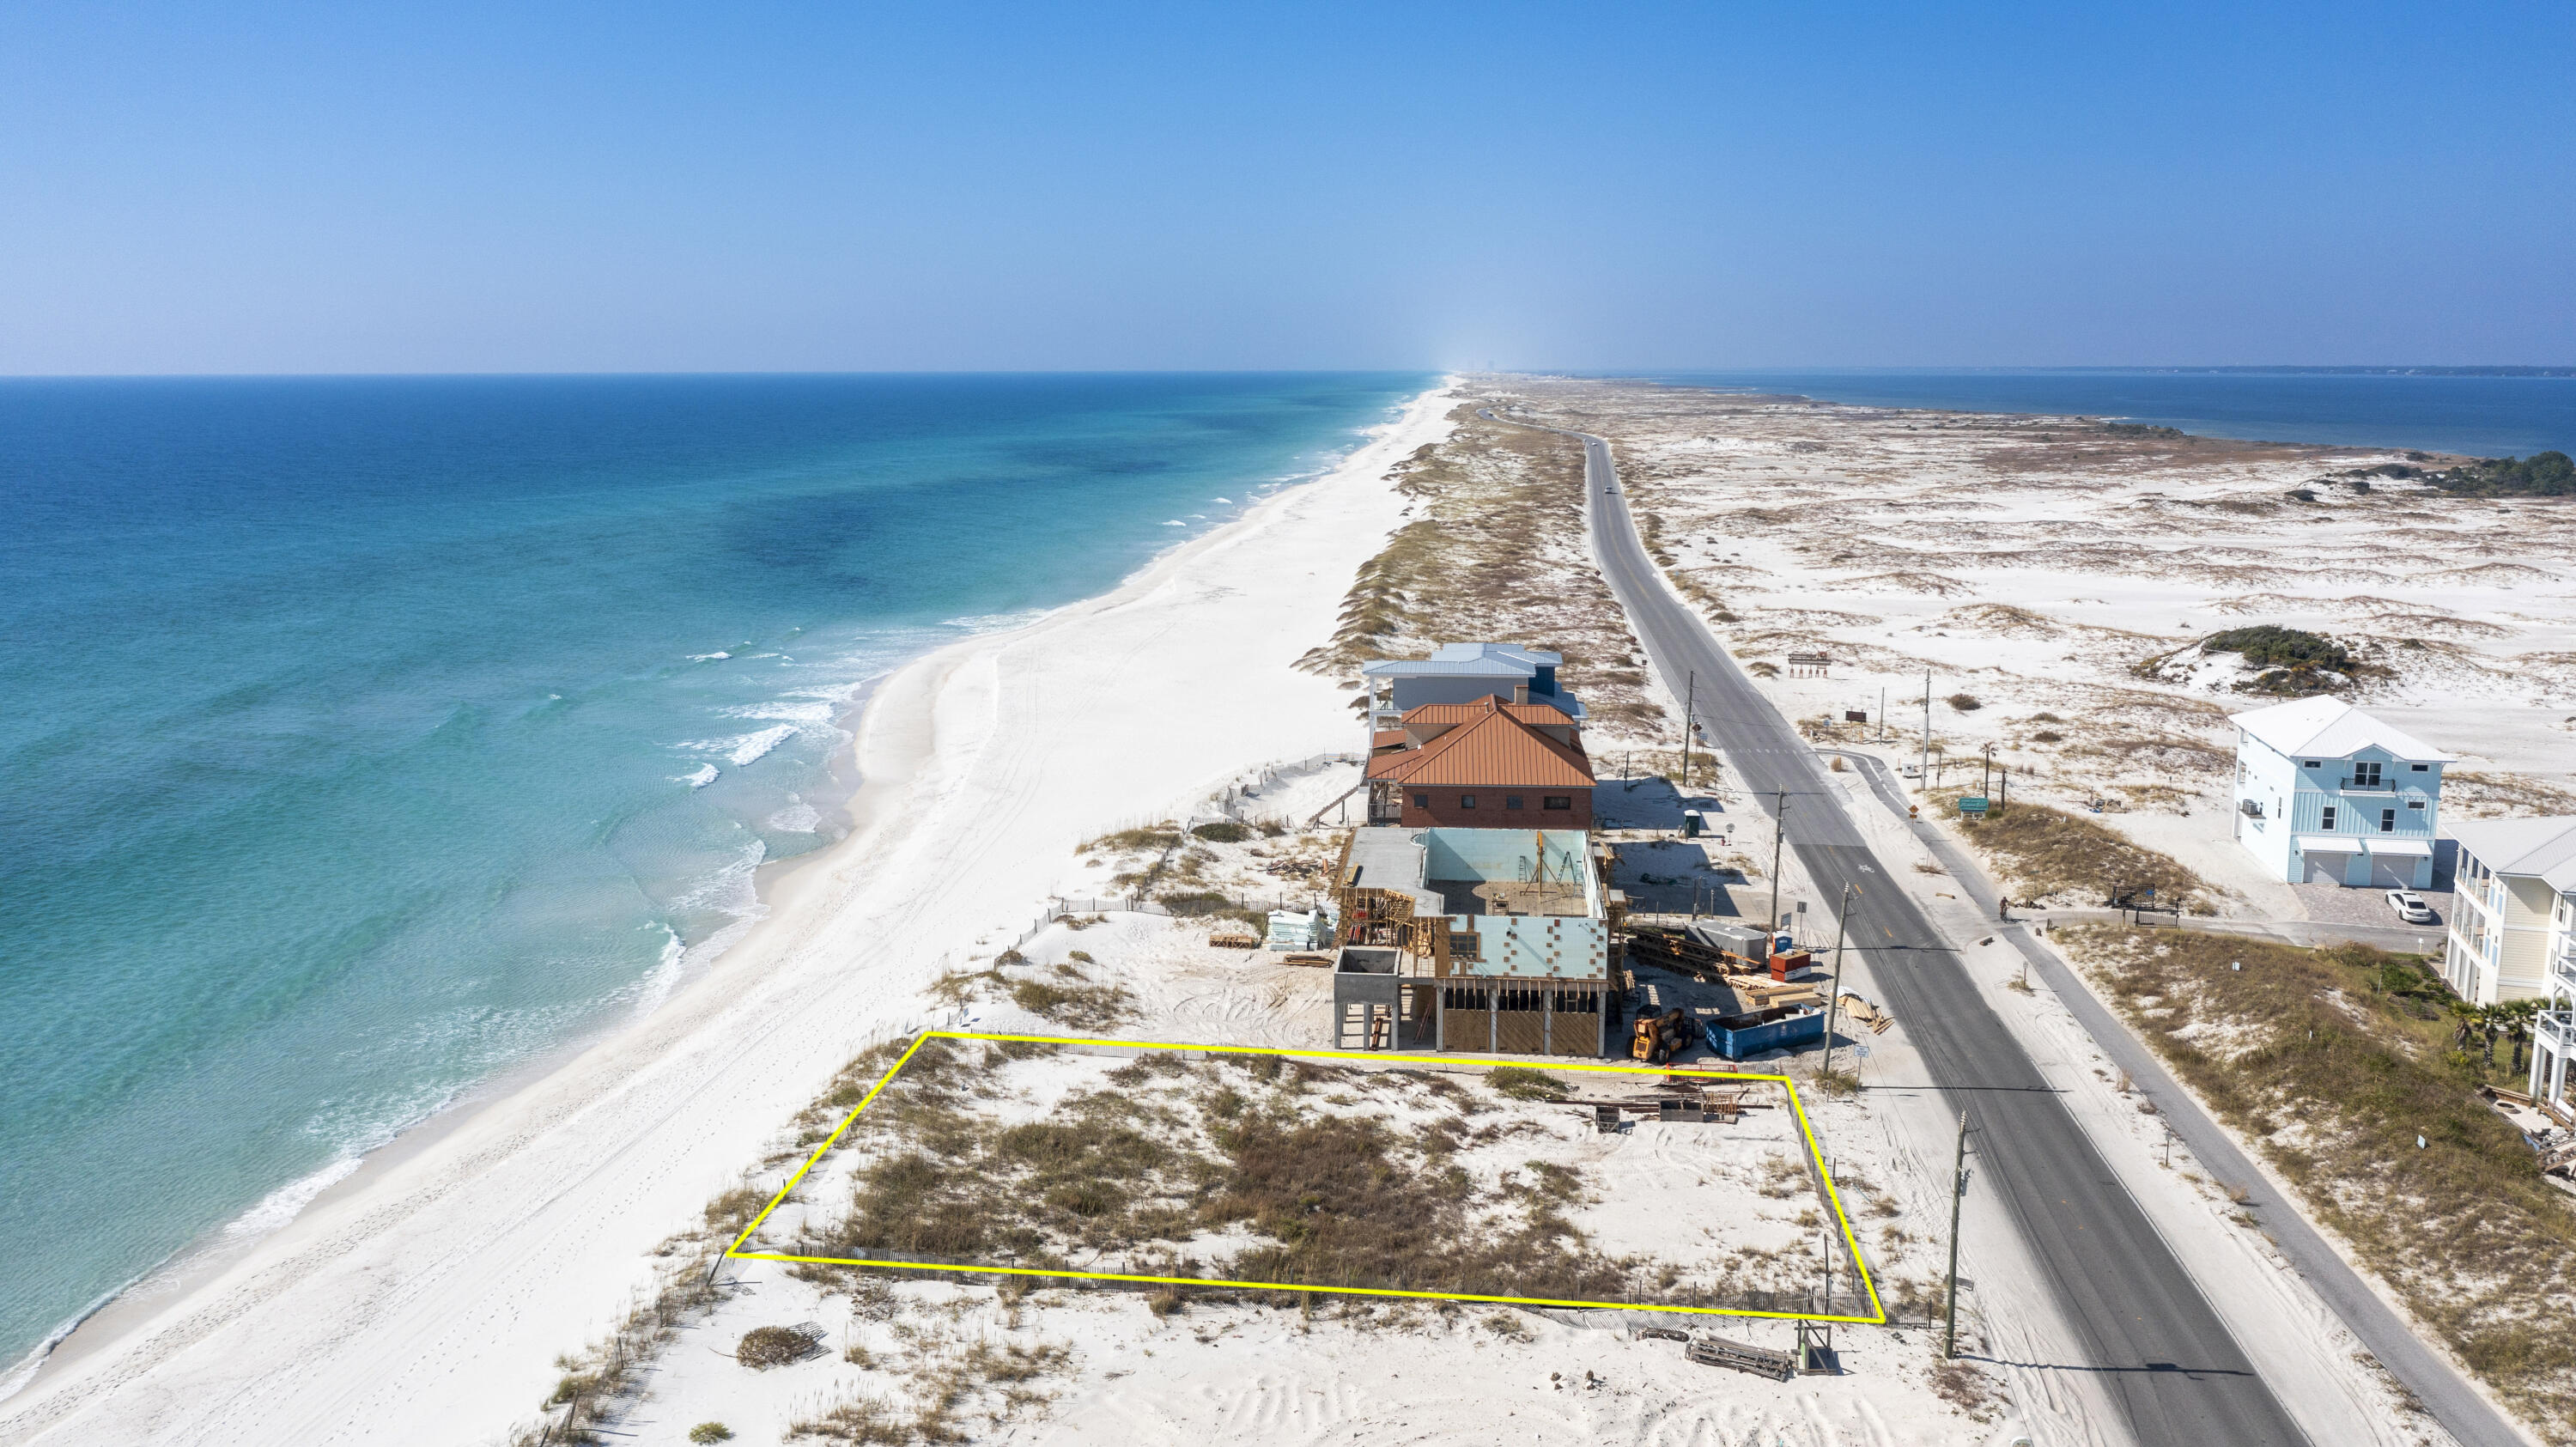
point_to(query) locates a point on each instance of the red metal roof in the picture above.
(1496, 751)
(1458, 713)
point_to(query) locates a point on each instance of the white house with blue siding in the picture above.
(1465, 673)
(2327, 794)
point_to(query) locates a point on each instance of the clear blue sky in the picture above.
(248, 186)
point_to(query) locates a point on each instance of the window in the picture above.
(1466, 801)
(1511, 801)
(2414, 803)
(2328, 823)
(2307, 763)
(2419, 768)
(1421, 801)
(1558, 801)
(2366, 775)
(2387, 821)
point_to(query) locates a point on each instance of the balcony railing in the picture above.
(2556, 1029)
(2382, 785)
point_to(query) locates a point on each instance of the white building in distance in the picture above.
(2513, 933)
(2325, 793)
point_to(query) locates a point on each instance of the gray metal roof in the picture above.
(1469, 659)
(1392, 858)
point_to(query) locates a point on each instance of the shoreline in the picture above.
(157, 1360)
(104, 1323)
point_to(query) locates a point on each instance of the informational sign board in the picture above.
(1973, 804)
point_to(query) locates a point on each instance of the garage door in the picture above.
(2326, 868)
(2392, 871)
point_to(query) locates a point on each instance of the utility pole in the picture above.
(1927, 724)
(1986, 780)
(1833, 1002)
(1690, 701)
(1882, 710)
(1779, 832)
(1958, 1193)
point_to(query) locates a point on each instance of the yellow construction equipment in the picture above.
(1659, 1038)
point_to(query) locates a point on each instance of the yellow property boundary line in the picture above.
(1815, 1158)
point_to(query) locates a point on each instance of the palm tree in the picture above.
(2466, 1015)
(2516, 1018)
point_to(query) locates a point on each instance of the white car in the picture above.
(2410, 907)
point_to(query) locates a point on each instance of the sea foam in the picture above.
(741, 749)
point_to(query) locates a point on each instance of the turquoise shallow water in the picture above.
(368, 735)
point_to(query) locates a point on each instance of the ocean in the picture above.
(365, 737)
(2482, 416)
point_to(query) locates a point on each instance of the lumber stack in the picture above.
(1674, 950)
(1866, 1013)
(1717, 1351)
(1761, 992)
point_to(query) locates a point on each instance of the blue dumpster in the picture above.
(1782, 1026)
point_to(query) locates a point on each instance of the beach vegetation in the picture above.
(1208, 904)
(1498, 552)
(2479, 794)
(1169, 1151)
(1520, 1083)
(1964, 702)
(2272, 645)
(2040, 853)
(764, 1347)
(599, 1381)
(2336, 1062)
(1223, 831)
(706, 1432)
(1145, 840)
(1079, 1004)
(2543, 474)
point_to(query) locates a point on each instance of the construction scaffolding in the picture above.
(1408, 974)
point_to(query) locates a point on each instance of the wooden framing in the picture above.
(1454, 1009)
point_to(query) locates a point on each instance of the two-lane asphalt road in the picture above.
(2144, 1326)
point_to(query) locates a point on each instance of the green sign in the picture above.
(1973, 804)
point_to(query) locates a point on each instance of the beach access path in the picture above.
(2168, 1362)
(425, 1301)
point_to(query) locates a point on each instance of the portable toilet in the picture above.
(1691, 823)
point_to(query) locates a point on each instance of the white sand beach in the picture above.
(425, 1301)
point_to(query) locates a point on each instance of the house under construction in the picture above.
(1481, 941)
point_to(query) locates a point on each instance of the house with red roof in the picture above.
(1489, 764)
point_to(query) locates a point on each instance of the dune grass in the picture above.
(1497, 553)
(2334, 1063)
(2039, 852)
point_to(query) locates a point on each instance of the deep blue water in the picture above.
(364, 736)
(2481, 416)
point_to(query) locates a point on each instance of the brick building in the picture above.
(1482, 765)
